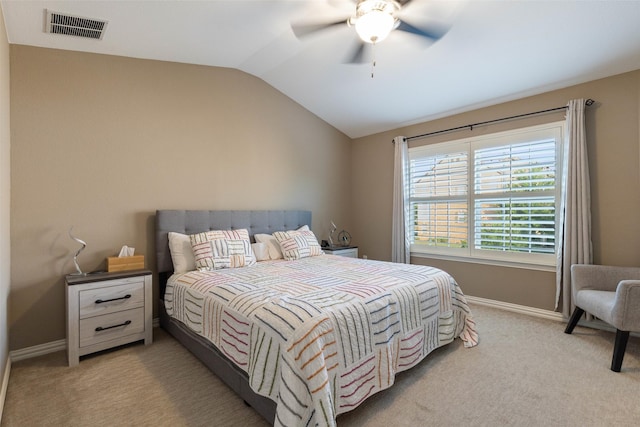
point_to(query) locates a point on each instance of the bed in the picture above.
(306, 339)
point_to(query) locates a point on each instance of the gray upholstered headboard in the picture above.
(192, 221)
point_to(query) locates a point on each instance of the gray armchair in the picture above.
(612, 294)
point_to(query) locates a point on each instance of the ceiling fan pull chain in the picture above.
(373, 62)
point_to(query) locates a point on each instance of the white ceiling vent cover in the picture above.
(59, 23)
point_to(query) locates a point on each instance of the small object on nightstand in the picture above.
(345, 238)
(333, 230)
(122, 263)
(75, 257)
(105, 310)
(126, 260)
(347, 251)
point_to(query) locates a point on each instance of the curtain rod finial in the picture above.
(589, 102)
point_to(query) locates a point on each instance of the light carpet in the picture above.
(524, 372)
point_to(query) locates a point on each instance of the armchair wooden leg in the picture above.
(618, 350)
(573, 321)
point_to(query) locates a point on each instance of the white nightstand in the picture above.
(105, 310)
(348, 251)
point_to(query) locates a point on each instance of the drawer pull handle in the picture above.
(100, 301)
(100, 328)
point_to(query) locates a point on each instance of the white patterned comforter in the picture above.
(319, 335)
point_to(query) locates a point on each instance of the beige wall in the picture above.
(613, 127)
(101, 142)
(5, 199)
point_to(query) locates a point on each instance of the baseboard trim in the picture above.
(5, 385)
(38, 350)
(543, 314)
(516, 308)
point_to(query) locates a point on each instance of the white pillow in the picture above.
(261, 251)
(181, 253)
(274, 247)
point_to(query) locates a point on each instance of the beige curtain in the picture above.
(400, 248)
(574, 246)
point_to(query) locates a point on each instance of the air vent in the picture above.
(58, 23)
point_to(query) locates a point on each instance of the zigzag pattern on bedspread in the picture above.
(319, 335)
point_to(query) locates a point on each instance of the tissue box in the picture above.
(135, 262)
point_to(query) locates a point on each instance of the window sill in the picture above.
(487, 261)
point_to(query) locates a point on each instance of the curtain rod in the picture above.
(588, 102)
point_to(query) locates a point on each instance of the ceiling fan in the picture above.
(374, 20)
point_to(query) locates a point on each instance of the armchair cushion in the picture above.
(598, 303)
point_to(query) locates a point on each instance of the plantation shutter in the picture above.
(514, 197)
(439, 198)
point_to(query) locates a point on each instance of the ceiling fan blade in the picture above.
(303, 30)
(434, 32)
(360, 55)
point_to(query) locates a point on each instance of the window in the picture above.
(492, 197)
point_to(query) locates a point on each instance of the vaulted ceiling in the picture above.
(493, 51)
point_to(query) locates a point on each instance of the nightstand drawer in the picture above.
(110, 299)
(98, 329)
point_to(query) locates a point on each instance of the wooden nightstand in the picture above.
(348, 251)
(105, 310)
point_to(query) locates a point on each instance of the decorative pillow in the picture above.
(298, 244)
(217, 249)
(181, 253)
(274, 247)
(261, 251)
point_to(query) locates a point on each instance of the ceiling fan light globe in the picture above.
(374, 26)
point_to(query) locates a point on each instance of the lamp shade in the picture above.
(374, 26)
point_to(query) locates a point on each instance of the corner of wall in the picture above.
(5, 204)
